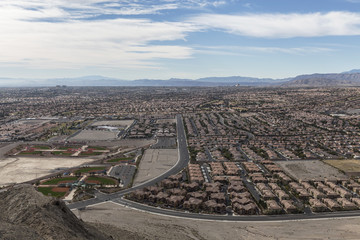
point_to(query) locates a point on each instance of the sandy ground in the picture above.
(21, 169)
(348, 165)
(125, 143)
(92, 135)
(308, 170)
(154, 162)
(113, 123)
(6, 148)
(150, 226)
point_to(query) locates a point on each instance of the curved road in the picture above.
(235, 218)
(182, 163)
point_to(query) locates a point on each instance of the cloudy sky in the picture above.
(183, 39)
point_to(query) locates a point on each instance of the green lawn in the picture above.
(47, 191)
(97, 148)
(66, 148)
(89, 169)
(55, 181)
(42, 147)
(104, 181)
(90, 153)
(63, 148)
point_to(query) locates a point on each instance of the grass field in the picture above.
(89, 169)
(47, 191)
(101, 180)
(55, 181)
(97, 148)
(42, 147)
(90, 153)
(349, 165)
(66, 148)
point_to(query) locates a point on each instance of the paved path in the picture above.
(70, 196)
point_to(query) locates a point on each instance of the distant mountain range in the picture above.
(350, 78)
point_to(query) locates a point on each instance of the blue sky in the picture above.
(182, 39)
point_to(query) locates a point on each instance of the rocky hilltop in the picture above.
(27, 214)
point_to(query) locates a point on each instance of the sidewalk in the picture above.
(70, 196)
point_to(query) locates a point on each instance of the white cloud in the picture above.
(197, 3)
(291, 50)
(76, 9)
(55, 34)
(70, 9)
(284, 25)
(250, 50)
(75, 43)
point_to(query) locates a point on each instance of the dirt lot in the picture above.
(113, 123)
(94, 135)
(60, 189)
(21, 169)
(307, 170)
(6, 148)
(124, 143)
(348, 166)
(142, 225)
(154, 162)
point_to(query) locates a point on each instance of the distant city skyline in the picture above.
(181, 39)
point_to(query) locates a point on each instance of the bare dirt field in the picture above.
(308, 170)
(6, 148)
(21, 169)
(113, 123)
(125, 143)
(348, 165)
(118, 220)
(60, 189)
(94, 135)
(154, 162)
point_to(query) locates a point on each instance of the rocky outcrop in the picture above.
(27, 214)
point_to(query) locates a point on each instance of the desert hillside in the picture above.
(27, 214)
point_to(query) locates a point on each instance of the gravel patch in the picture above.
(155, 162)
(310, 170)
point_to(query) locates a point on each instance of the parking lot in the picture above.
(123, 172)
(164, 143)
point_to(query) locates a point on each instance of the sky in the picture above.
(178, 39)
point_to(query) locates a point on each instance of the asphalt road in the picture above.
(181, 163)
(245, 218)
